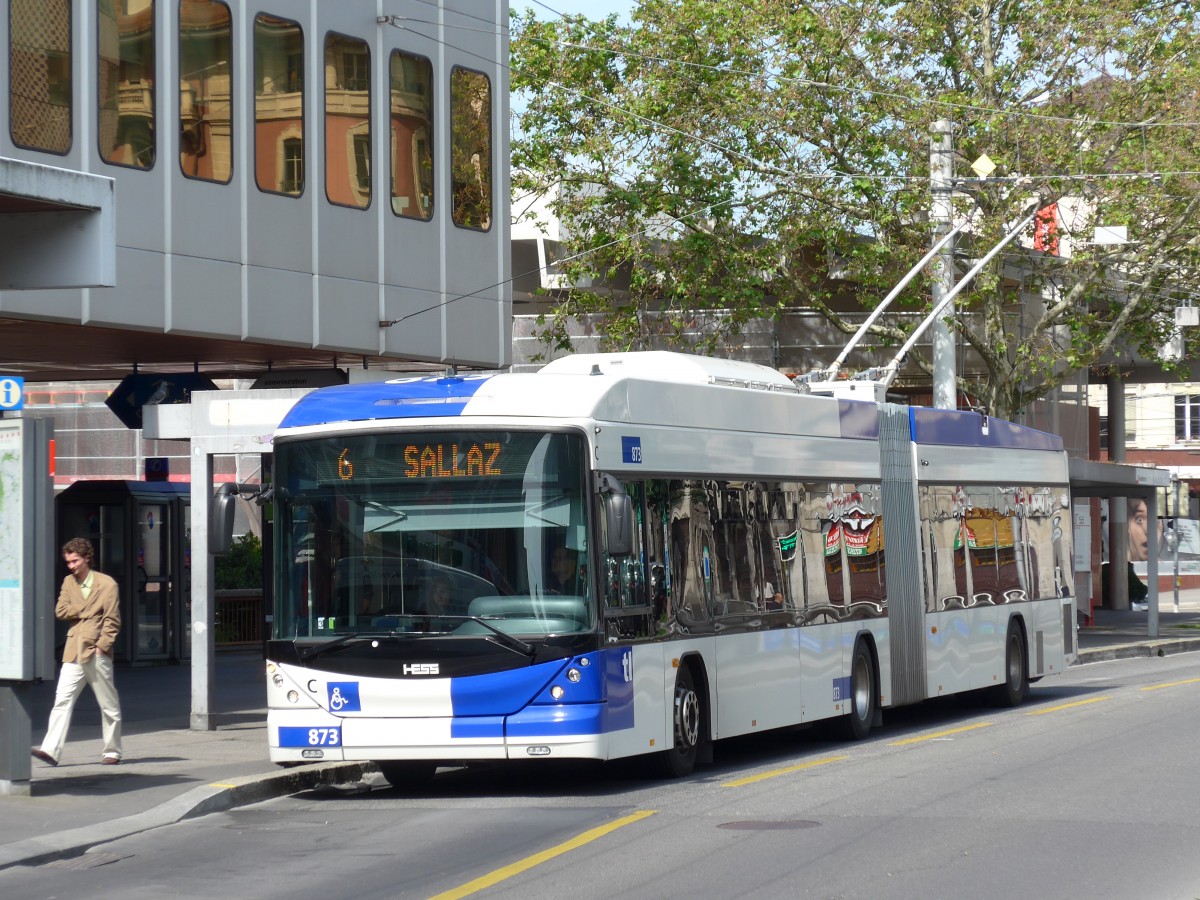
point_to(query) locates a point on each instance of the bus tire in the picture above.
(1016, 673)
(863, 695)
(406, 773)
(687, 716)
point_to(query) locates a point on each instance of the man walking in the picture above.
(88, 600)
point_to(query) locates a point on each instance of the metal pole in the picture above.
(941, 178)
(1175, 543)
(1118, 509)
(1152, 565)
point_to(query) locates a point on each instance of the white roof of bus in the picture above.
(661, 365)
(658, 388)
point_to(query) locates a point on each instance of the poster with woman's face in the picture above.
(1180, 544)
(1139, 525)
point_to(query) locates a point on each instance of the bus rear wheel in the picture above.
(1016, 678)
(862, 694)
(406, 773)
(687, 716)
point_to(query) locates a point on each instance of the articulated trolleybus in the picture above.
(641, 553)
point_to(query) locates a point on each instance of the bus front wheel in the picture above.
(687, 716)
(406, 774)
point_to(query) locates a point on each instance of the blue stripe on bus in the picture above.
(536, 721)
(517, 703)
(501, 693)
(396, 399)
(557, 721)
(618, 679)
(961, 428)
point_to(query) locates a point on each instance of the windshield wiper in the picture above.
(513, 643)
(317, 649)
(507, 639)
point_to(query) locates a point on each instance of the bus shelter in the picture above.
(1116, 481)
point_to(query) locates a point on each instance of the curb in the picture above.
(1152, 648)
(200, 801)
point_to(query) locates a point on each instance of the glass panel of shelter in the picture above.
(152, 574)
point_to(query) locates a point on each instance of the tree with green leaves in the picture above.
(718, 153)
(242, 566)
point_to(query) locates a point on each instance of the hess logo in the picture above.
(421, 669)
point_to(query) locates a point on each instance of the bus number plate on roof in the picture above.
(631, 450)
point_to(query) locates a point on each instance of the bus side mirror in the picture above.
(220, 522)
(618, 516)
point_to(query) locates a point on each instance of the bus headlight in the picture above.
(277, 680)
(573, 676)
(557, 692)
(293, 697)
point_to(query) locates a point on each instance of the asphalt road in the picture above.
(950, 799)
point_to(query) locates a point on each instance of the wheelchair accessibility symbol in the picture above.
(343, 696)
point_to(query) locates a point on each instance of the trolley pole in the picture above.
(941, 182)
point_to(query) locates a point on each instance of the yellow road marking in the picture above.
(939, 734)
(740, 782)
(1050, 709)
(501, 874)
(221, 785)
(1159, 687)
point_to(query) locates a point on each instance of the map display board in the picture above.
(14, 618)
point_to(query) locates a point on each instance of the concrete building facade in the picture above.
(295, 183)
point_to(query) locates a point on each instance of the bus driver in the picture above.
(563, 566)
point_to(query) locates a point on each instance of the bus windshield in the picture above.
(459, 533)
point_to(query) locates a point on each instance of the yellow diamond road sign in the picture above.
(983, 167)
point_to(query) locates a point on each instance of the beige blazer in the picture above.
(95, 621)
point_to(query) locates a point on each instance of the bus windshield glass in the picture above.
(458, 533)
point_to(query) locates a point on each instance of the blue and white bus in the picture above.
(643, 553)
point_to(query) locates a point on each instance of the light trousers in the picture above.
(98, 672)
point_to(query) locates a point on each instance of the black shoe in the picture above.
(45, 757)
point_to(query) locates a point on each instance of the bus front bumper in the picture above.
(536, 732)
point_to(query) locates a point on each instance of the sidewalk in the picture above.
(171, 773)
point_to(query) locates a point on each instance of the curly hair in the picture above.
(80, 546)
